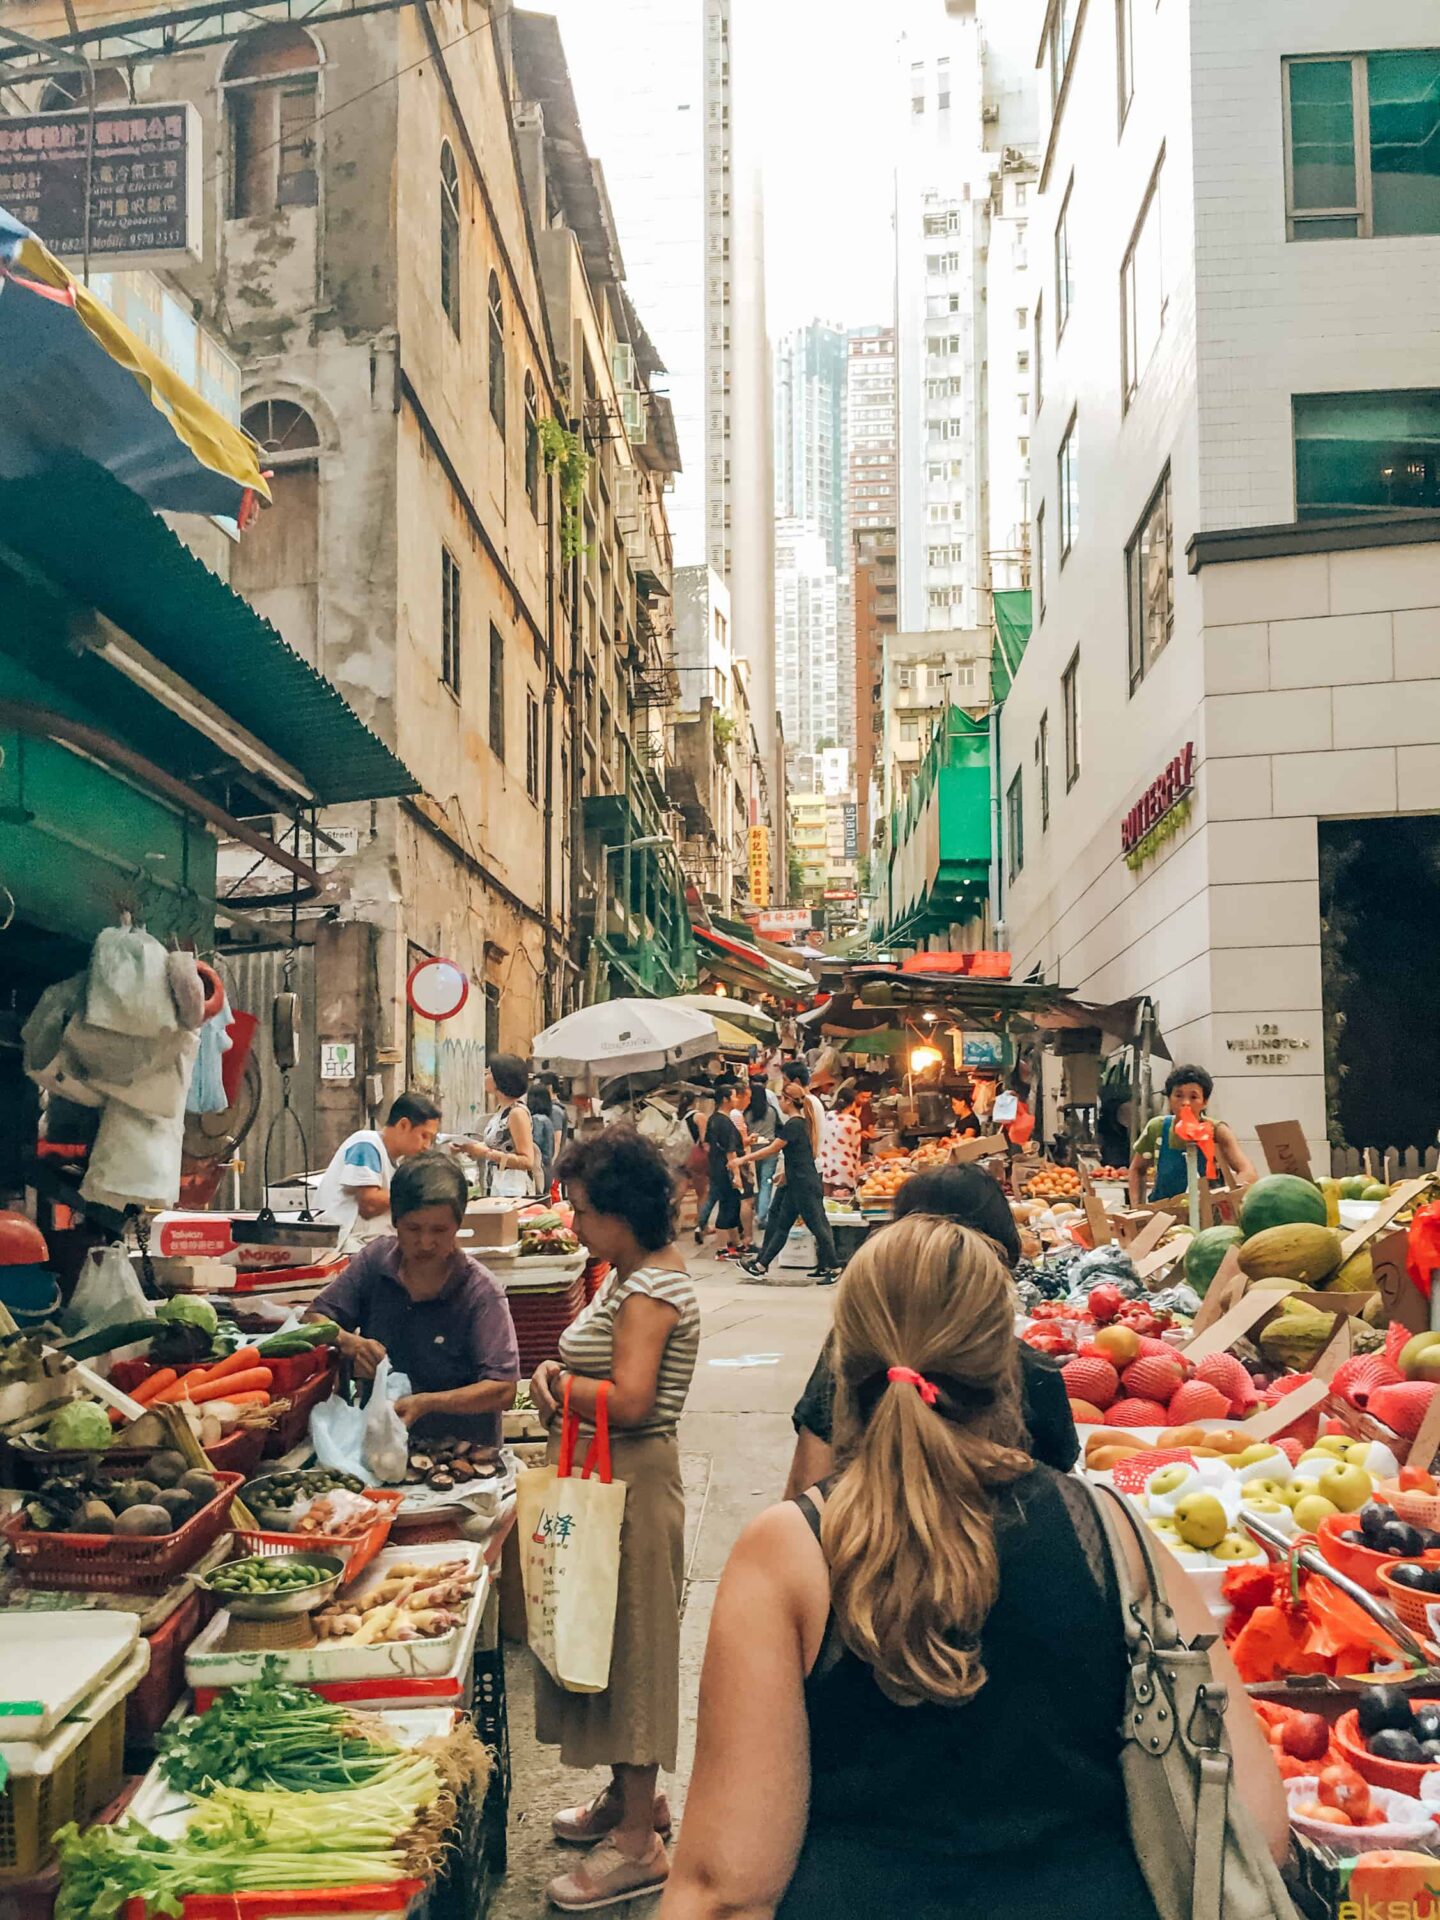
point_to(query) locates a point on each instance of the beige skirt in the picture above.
(636, 1720)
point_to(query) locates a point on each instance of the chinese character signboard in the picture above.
(759, 848)
(143, 179)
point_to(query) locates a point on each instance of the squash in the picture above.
(1282, 1200)
(1301, 1252)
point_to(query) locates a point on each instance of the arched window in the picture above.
(271, 80)
(276, 565)
(532, 444)
(450, 238)
(68, 90)
(497, 354)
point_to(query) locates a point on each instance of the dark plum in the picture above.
(1384, 1708)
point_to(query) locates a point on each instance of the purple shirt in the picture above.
(463, 1335)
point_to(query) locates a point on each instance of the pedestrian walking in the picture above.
(724, 1146)
(800, 1195)
(762, 1125)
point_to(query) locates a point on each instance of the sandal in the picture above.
(606, 1877)
(582, 1826)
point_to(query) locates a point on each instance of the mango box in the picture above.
(1391, 1885)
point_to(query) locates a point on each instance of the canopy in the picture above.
(883, 1041)
(721, 1007)
(76, 377)
(625, 1036)
(744, 965)
(732, 1038)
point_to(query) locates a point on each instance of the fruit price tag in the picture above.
(1402, 1298)
(1150, 1236)
(1287, 1410)
(1384, 1213)
(1023, 1169)
(969, 1151)
(1101, 1232)
(1285, 1147)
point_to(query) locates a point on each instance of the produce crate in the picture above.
(541, 1317)
(357, 1551)
(390, 1897)
(287, 1372)
(83, 1765)
(138, 1564)
(149, 1705)
(294, 1423)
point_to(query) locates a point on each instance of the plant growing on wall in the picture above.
(565, 457)
(725, 730)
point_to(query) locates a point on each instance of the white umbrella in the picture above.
(738, 1012)
(624, 1036)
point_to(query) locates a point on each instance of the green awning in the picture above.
(91, 537)
(1012, 636)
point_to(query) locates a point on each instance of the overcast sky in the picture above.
(823, 100)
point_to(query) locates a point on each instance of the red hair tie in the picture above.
(907, 1377)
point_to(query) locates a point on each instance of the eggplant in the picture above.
(1384, 1709)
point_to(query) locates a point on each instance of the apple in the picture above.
(1347, 1487)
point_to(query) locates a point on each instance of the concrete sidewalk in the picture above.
(735, 1442)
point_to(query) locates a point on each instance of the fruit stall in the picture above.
(233, 1678)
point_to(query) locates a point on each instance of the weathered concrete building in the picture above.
(370, 258)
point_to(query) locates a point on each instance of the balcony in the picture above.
(934, 868)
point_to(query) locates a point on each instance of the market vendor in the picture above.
(354, 1189)
(1187, 1090)
(971, 1198)
(437, 1314)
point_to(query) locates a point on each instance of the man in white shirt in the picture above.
(354, 1189)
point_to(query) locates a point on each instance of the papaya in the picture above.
(1204, 1254)
(1306, 1253)
(1282, 1200)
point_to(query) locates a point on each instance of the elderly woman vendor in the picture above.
(440, 1317)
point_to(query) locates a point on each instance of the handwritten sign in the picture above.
(1285, 1147)
(1403, 1300)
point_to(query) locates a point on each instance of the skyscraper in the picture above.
(806, 637)
(810, 432)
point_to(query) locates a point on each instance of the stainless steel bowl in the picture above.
(282, 1605)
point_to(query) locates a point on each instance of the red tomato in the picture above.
(1332, 1816)
(1416, 1480)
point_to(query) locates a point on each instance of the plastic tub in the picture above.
(294, 1423)
(356, 1550)
(1339, 1542)
(1397, 1775)
(150, 1705)
(68, 1777)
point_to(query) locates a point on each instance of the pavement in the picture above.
(735, 1444)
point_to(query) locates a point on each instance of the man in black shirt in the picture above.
(723, 1146)
(971, 1197)
(801, 1196)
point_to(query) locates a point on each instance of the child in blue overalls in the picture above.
(1187, 1089)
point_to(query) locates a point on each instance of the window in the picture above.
(1042, 758)
(1150, 583)
(1069, 491)
(1142, 289)
(1061, 40)
(270, 81)
(1039, 354)
(497, 692)
(450, 238)
(1070, 716)
(277, 565)
(532, 444)
(1063, 280)
(905, 677)
(532, 746)
(1015, 826)
(909, 729)
(1040, 562)
(1363, 145)
(450, 620)
(497, 354)
(1366, 453)
(1125, 54)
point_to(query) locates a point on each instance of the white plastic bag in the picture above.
(369, 1441)
(108, 1294)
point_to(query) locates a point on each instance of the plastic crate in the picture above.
(357, 1551)
(294, 1423)
(392, 1896)
(287, 1372)
(149, 1705)
(83, 1779)
(130, 1564)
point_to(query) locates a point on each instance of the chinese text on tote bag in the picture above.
(570, 1543)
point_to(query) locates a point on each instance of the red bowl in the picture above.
(1338, 1537)
(1397, 1775)
(1409, 1605)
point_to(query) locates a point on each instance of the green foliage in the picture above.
(725, 730)
(564, 455)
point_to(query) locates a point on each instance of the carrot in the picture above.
(178, 1389)
(241, 1361)
(155, 1383)
(232, 1385)
(257, 1398)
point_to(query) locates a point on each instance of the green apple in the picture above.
(1311, 1510)
(1237, 1546)
(1347, 1486)
(1200, 1520)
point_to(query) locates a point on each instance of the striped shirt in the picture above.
(587, 1345)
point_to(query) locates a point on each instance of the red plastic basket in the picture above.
(130, 1564)
(294, 1423)
(1398, 1775)
(1338, 1536)
(393, 1896)
(1411, 1607)
(286, 1372)
(357, 1550)
(148, 1707)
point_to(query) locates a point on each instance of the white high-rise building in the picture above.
(806, 637)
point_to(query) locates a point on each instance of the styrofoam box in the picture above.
(53, 1661)
(209, 1664)
(29, 1759)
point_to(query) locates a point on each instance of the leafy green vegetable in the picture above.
(189, 1307)
(79, 1424)
(268, 1733)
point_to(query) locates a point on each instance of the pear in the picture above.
(1169, 1479)
(1200, 1520)
(1311, 1510)
(1346, 1486)
(1237, 1546)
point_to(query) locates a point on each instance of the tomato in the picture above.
(1331, 1816)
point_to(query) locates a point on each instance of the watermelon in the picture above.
(1205, 1252)
(1281, 1200)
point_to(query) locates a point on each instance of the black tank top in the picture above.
(1012, 1806)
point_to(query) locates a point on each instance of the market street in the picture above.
(735, 1442)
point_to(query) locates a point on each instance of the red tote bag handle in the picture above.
(597, 1459)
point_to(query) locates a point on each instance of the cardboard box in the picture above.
(494, 1223)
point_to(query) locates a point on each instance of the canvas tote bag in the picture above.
(1201, 1853)
(570, 1542)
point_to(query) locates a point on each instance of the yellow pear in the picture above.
(1237, 1546)
(1200, 1520)
(1311, 1510)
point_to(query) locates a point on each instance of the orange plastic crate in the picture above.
(356, 1550)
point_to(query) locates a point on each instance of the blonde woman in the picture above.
(913, 1687)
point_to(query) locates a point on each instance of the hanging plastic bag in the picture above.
(370, 1441)
(1423, 1246)
(128, 988)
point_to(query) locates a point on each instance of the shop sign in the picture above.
(1268, 1047)
(1161, 810)
(337, 1059)
(776, 921)
(142, 179)
(759, 850)
(982, 1050)
(841, 893)
(850, 820)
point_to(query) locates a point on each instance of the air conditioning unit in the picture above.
(633, 416)
(622, 364)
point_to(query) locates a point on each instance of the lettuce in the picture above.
(81, 1424)
(190, 1310)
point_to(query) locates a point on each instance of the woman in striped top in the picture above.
(641, 1333)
